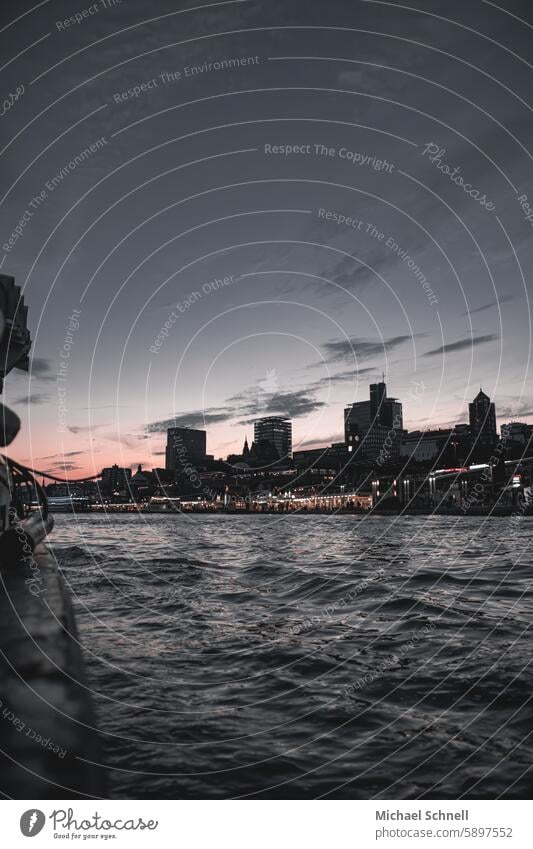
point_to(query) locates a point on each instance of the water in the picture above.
(306, 656)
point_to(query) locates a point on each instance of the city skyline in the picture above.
(179, 451)
(155, 457)
(277, 262)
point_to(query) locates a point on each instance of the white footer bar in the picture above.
(268, 824)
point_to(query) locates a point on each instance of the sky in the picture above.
(228, 210)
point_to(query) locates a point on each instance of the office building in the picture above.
(424, 446)
(184, 445)
(374, 428)
(518, 432)
(482, 422)
(332, 457)
(115, 479)
(276, 431)
(451, 445)
(517, 439)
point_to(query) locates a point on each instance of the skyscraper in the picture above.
(482, 422)
(115, 478)
(378, 394)
(184, 445)
(368, 425)
(277, 431)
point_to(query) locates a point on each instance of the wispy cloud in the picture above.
(505, 299)
(515, 410)
(32, 398)
(84, 428)
(462, 344)
(121, 438)
(342, 376)
(350, 350)
(61, 467)
(194, 419)
(60, 456)
(320, 442)
(290, 404)
(42, 369)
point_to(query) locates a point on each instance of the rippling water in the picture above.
(308, 656)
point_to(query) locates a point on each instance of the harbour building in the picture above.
(374, 428)
(483, 423)
(184, 445)
(277, 431)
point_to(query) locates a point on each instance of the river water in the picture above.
(306, 656)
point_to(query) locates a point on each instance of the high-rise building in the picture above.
(517, 439)
(482, 422)
(378, 395)
(374, 428)
(184, 445)
(518, 432)
(277, 431)
(115, 479)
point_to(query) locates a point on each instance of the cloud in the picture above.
(318, 442)
(292, 404)
(289, 404)
(84, 428)
(343, 376)
(63, 467)
(65, 454)
(121, 438)
(517, 410)
(505, 299)
(32, 398)
(348, 350)
(462, 344)
(42, 369)
(194, 419)
(349, 273)
(513, 415)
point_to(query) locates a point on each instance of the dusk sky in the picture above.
(255, 120)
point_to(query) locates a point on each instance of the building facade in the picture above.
(277, 431)
(483, 422)
(184, 445)
(517, 438)
(374, 428)
(451, 445)
(331, 457)
(115, 479)
(519, 432)
(423, 446)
